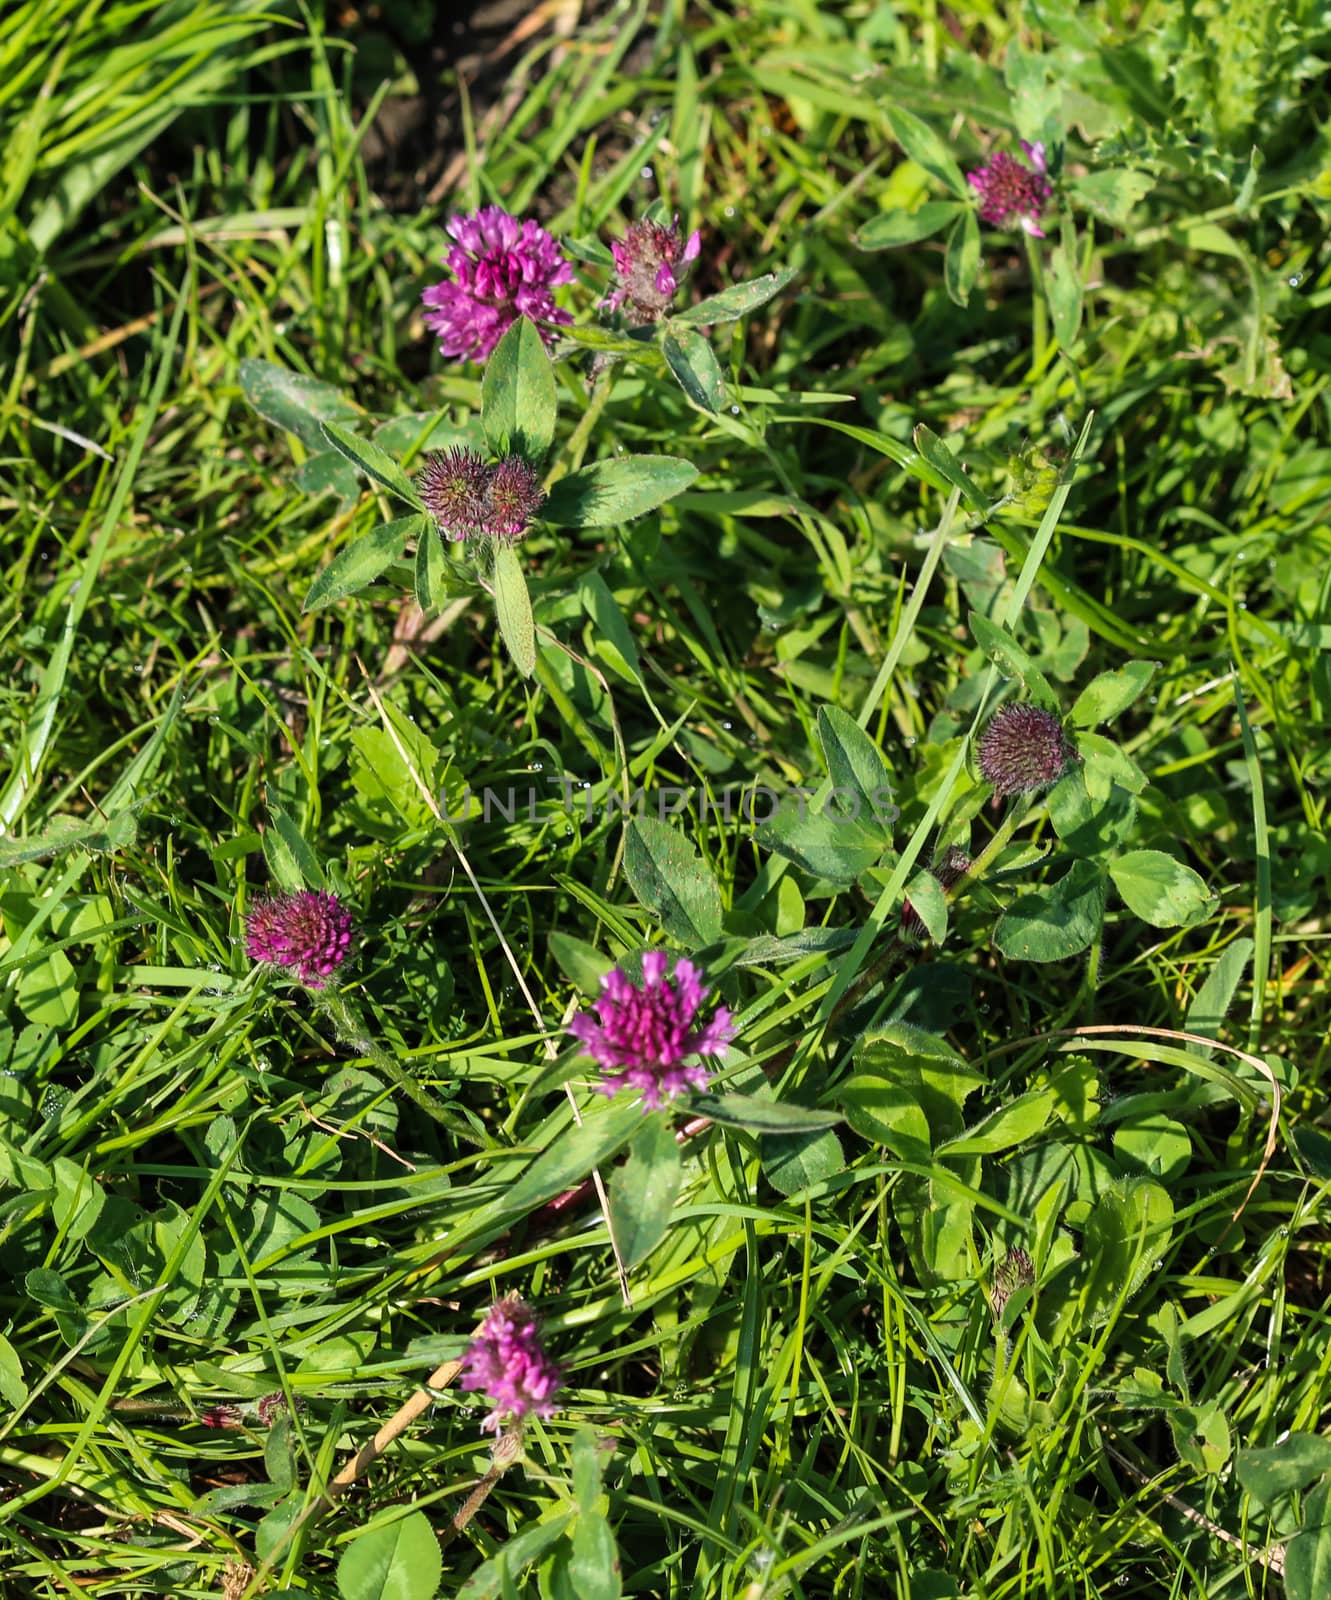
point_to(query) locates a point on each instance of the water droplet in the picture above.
(727, 726)
(730, 211)
(537, 766)
(1294, 279)
(909, 741)
(648, 175)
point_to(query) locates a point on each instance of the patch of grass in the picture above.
(836, 1372)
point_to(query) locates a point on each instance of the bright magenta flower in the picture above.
(506, 1361)
(308, 933)
(1010, 190)
(505, 269)
(644, 1034)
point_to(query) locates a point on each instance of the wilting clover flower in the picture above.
(1009, 189)
(513, 496)
(452, 485)
(1023, 749)
(504, 269)
(308, 932)
(1015, 1271)
(507, 1362)
(645, 262)
(645, 1033)
(949, 868)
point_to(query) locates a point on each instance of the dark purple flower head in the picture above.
(1015, 1271)
(452, 484)
(506, 1362)
(308, 932)
(505, 269)
(513, 496)
(645, 262)
(1009, 190)
(1023, 748)
(949, 868)
(220, 1417)
(645, 1034)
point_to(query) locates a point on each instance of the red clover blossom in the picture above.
(1008, 189)
(506, 1361)
(468, 499)
(504, 269)
(645, 262)
(645, 1033)
(1023, 749)
(308, 933)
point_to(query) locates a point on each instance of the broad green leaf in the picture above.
(795, 1161)
(13, 1390)
(1005, 1128)
(941, 459)
(431, 575)
(762, 1115)
(895, 228)
(47, 992)
(940, 1081)
(1308, 1554)
(513, 609)
(328, 472)
(1064, 291)
(1111, 693)
(616, 490)
(363, 560)
(961, 264)
(1201, 1437)
(399, 1560)
(1160, 890)
(78, 1198)
(837, 848)
(1002, 649)
(693, 361)
(1216, 995)
(1057, 921)
(1285, 1468)
(927, 149)
(886, 1113)
(292, 401)
(928, 900)
(1111, 193)
(573, 1153)
(1154, 1144)
(1090, 827)
(644, 1190)
(669, 878)
(611, 629)
(588, 1467)
(857, 770)
(518, 404)
(1126, 1233)
(372, 461)
(594, 1565)
(581, 963)
(737, 300)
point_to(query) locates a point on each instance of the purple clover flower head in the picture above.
(507, 1362)
(452, 484)
(308, 933)
(1023, 749)
(513, 496)
(949, 868)
(505, 269)
(644, 1034)
(645, 262)
(1008, 189)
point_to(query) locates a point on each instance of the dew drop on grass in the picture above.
(909, 741)
(727, 726)
(734, 411)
